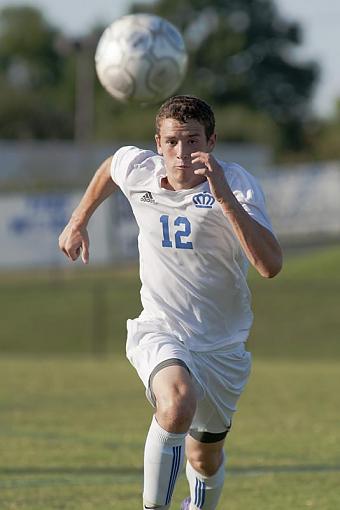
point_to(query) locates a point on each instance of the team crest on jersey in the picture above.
(203, 200)
(148, 198)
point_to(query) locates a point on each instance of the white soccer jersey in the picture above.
(192, 267)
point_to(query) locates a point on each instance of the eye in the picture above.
(172, 143)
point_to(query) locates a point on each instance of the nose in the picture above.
(182, 151)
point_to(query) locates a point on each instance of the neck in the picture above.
(177, 186)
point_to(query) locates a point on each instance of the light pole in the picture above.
(83, 50)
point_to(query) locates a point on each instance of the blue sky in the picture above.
(319, 19)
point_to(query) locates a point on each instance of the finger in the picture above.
(73, 254)
(72, 251)
(201, 171)
(65, 252)
(201, 159)
(61, 244)
(198, 155)
(85, 255)
(197, 160)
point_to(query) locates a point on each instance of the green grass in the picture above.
(85, 311)
(67, 312)
(72, 435)
(73, 426)
(297, 313)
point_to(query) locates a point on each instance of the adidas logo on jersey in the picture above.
(147, 197)
(203, 200)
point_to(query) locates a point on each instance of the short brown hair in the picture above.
(183, 108)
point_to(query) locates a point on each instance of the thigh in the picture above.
(208, 424)
(152, 349)
(224, 375)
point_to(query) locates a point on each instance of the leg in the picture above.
(205, 471)
(175, 401)
(175, 398)
(225, 374)
(205, 458)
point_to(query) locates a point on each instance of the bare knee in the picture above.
(206, 464)
(175, 399)
(175, 409)
(204, 458)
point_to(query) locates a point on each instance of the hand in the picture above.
(213, 171)
(73, 240)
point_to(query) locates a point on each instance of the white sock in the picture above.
(205, 491)
(163, 460)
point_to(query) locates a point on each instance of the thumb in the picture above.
(85, 254)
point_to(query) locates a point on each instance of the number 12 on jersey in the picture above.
(183, 231)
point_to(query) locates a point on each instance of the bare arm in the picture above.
(74, 238)
(259, 244)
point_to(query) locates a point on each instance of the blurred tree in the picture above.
(241, 61)
(325, 136)
(36, 101)
(241, 53)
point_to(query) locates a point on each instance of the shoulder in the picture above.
(130, 155)
(130, 158)
(241, 181)
(235, 173)
(248, 192)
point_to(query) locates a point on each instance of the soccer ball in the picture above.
(141, 58)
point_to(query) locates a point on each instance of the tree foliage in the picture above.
(241, 52)
(35, 102)
(241, 61)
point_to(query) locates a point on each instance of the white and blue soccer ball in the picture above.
(141, 58)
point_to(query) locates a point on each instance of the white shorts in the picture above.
(220, 376)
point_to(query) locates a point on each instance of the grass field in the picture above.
(69, 440)
(84, 311)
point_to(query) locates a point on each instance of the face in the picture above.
(176, 142)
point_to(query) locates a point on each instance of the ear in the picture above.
(212, 142)
(158, 144)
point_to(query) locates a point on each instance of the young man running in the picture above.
(201, 222)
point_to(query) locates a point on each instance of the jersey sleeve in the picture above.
(249, 194)
(124, 161)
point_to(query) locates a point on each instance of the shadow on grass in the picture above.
(129, 472)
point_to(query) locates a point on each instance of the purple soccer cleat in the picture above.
(186, 504)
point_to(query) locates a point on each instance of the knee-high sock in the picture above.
(205, 491)
(163, 460)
